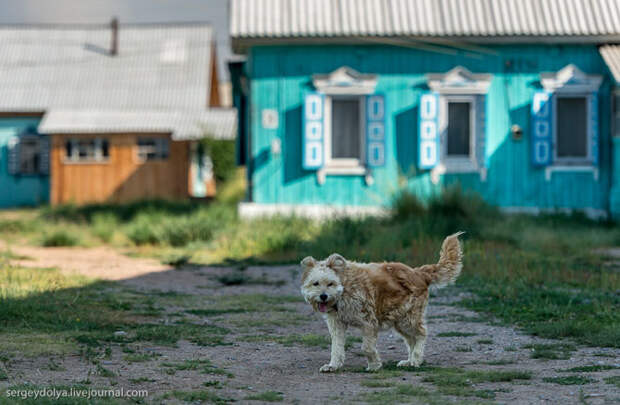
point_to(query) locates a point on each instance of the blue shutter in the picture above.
(594, 128)
(375, 130)
(541, 131)
(44, 155)
(313, 131)
(428, 134)
(481, 129)
(13, 155)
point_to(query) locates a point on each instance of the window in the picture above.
(29, 155)
(459, 129)
(345, 131)
(152, 149)
(87, 149)
(572, 132)
(458, 133)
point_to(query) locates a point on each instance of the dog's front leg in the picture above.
(337, 330)
(369, 347)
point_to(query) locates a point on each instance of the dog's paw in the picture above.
(374, 366)
(406, 363)
(328, 368)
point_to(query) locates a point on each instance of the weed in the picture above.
(213, 384)
(3, 375)
(589, 369)
(104, 372)
(311, 340)
(377, 383)
(463, 349)
(267, 396)
(455, 334)
(485, 341)
(59, 237)
(613, 380)
(459, 382)
(139, 380)
(501, 362)
(139, 357)
(570, 380)
(402, 393)
(203, 365)
(197, 396)
(552, 351)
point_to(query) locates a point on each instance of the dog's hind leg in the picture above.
(369, 347)
(414, 336)
(338, 336)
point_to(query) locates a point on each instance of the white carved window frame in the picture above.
(344, 83)
(570, 81)
(455, 85)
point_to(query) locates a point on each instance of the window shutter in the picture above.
(13, 155)
(541, 132)
(375, 130)
(594, 127)
(428, 139)
(44, 155)
(480, 111)
(313, 131)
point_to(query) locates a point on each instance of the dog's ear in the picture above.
(336, 262)
(307, 264)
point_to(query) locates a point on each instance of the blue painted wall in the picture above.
(280, 74)
(20, 190)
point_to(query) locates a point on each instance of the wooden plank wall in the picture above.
(123, 177)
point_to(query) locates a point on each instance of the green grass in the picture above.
(198, 397)
(402, 393)
(59, 237)
(551, 351)
(455, 334)
(374, 383)
(202, 365)
(267, 396)
(485, 341)
(460, 382)
(570, 380)
(310, 340)
(613, 380)
(589, 369)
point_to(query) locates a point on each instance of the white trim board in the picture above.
(314, 211)
(249, 210)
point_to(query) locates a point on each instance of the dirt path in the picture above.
(275, 343)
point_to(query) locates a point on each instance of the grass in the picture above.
(455, 334)
(200, 396)
(485, 341)
(613, 380)
(551, 351)
(570, 380)
(460, 382)
(267, 396)
(310, 340)
(203, 365)
(589, 369)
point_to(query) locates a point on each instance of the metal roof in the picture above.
(475, 19)
(217, 123)
(157, 67)
(611, 55)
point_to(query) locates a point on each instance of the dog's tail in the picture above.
(447, 270)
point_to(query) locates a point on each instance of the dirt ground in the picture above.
(259, 358)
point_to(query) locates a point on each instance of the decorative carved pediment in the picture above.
(570, 79)
(345, 80)
(459, 80)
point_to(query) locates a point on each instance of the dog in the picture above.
(375, 296)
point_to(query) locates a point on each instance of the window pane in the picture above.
(28, 155)
(572, 132)
(458, 129)
(345, 129)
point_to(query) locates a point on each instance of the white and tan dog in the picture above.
(375, 296)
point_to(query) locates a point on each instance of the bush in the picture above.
(59, 237)
(143, 231)
(222, 153)
(104, 226)
(407, 205)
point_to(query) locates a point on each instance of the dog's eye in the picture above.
(317, 283)
(330, 284)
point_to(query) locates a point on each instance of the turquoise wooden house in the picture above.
(344, 103)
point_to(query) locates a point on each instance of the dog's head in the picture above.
(320, 283)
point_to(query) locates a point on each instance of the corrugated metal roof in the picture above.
(611, 55)
(217, 123)
(255, 19)
(157, 67)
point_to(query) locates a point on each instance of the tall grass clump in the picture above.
(59, 237)
(104, 226)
